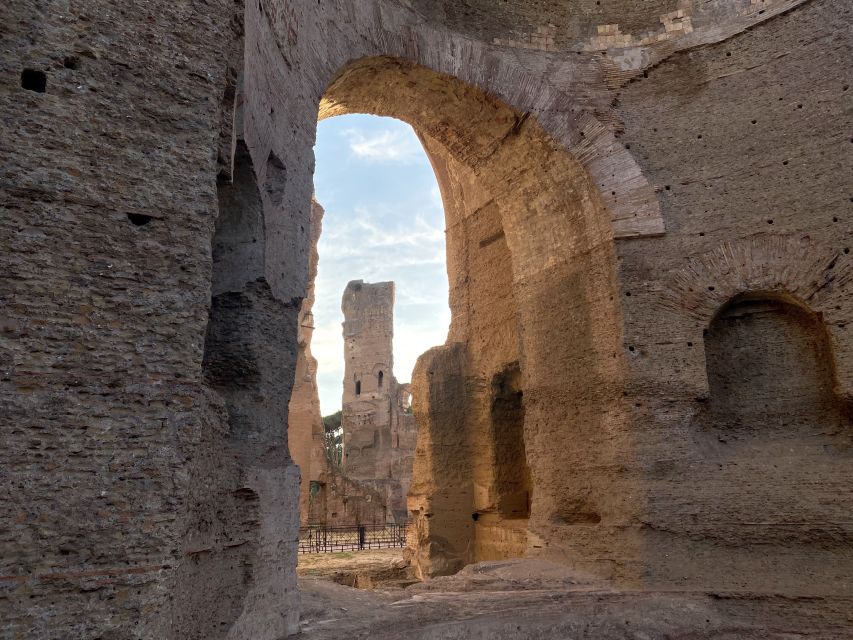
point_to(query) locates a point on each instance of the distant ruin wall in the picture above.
(370, 485)
(379, 432)
(622, 175)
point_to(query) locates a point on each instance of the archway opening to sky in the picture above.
(383, 221)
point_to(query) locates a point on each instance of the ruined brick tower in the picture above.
(649, 231)
(379, 435)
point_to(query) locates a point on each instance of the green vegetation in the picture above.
(333, 438)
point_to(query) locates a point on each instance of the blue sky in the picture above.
(384, 221)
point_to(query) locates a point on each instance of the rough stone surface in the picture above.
(649, 227)
(540, 600)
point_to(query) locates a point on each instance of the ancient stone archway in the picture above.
(153, 493)
(524, 221)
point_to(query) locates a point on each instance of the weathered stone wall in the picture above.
(587, 443)
(645, 165)
(484, 315)
(748, 461)
(368, 331)
(134, 488)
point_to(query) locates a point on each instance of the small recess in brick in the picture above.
(139, 219)
(34, 80)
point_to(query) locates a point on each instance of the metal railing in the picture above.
(320, 539)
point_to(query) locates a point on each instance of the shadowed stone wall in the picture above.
(623, 176)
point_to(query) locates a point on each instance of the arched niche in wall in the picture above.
(759, 499)
(774, 479)
(770, 366)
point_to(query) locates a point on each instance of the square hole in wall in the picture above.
(34, 80)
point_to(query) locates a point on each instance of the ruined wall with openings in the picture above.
(739, 317)
(378, 434)
(370, 484)
(661, 187)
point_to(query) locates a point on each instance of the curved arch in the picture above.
(474, 128)
(801, 270)
(782, 296)
(769, 353)
(532, 281)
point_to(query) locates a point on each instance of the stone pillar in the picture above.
(442, 492)
(305, 422)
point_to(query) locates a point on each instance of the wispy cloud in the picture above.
(389, 145)
(413, 242)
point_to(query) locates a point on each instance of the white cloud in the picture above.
(390, 145)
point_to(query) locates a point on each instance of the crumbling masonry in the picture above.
(648, 374)
(379, 434)
(371, 483)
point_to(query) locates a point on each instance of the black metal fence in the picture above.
(320, 539)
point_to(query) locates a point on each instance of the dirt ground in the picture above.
(314, 564)
(521, 599)
(362, 569)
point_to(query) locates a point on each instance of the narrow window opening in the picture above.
(381, 377)
(358, 387)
